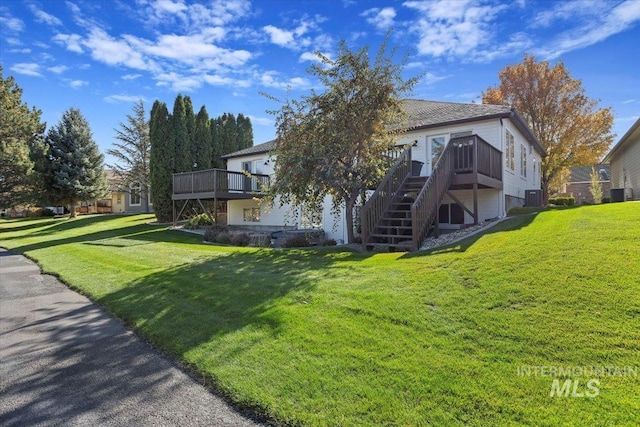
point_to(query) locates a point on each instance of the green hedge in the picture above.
(562, 201)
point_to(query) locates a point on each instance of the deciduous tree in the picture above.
(20, 130)
(568, 124)
(596, 186)
(335, 143)
(74, 166)
(132, 152)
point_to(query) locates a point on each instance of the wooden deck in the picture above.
(218, 184)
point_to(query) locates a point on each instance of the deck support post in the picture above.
(475, 203)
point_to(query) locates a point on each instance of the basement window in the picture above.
(251, 214)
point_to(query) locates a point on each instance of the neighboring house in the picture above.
(579, 184)
(485, 157)
(123, 198)
(624, 159)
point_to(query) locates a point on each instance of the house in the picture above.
(123, 197)
(465, 164)
(579, 184)
(624, 160)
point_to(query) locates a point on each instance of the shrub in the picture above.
(241, 239)
(296, 242)
(223, 238)
(260, 240)
(357, 239)
(329, 242)
(562, 201)
(44, 212)
(198, 221)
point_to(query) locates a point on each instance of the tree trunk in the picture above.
(72, 210)
(349, 202)
(145, 199)
(545, 193)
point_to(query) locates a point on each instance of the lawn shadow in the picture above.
(510, 224)
(140, 230)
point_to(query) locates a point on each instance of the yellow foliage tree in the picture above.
(568, 124)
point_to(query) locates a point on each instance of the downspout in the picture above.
(502, 199)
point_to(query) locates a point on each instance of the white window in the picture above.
(509, 150)
(437, 147)
(310, 218)
(134, 194)
(251, 214)
(523, 161)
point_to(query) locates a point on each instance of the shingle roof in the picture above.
(583, 173)
(425, 114)
(434, 113)
(256, 149)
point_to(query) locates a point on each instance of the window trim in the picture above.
(509, 150)
(135, 189)
(251, 214)
(523, 160)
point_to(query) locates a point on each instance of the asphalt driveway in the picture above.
(65, 361)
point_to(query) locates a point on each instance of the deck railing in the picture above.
(380, 200)
(425, 207)
(218, 180)
(467, 149)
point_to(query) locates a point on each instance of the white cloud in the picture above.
(271, 79)
(70, 41)
(629, 101)
(9, 22)
(454, 29)
(115, 99)
(43, 17)
(262, 121)
(131, 76)
(13, 41)
(111, 51)
(59, 69)
(382, 19)
(591, 28)
(217, 80)
(28, 69)
(178, 82)
(280, 37)
(77, 84)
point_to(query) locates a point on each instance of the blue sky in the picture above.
(101, 56)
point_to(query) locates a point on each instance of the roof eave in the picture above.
(626, 137)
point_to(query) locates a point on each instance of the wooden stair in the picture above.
(395, 228)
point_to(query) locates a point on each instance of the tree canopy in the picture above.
(20, 130)
(132, 152)
(73, 165)
(568, 124)
(335, 143)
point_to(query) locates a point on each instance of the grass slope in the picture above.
(327, 337)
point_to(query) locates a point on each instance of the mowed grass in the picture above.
(331, 337)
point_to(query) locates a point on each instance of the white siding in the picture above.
(489, 203)
(515, 184)
(276, 216)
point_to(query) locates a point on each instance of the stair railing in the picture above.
(380, 200)
(427, 203)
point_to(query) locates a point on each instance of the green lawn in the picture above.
(328, 337)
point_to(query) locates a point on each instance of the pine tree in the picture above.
(244, 132)
(229, 134)
(132, 152)
(190, 121)
(20, 130)
(75, 169)
(202, 143)
(181, 155)
(161, 163)
(216, 143)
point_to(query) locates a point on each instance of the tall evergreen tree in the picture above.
(190, 121)
(132, 152)
(161, 161)
(20, 130)
(244, 132)
(216, 143)
(75, 170)
(202, 144)
(182, 153)
(229, 134)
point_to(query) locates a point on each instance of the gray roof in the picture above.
(583, 173)
(256, 149)
(426, 114)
